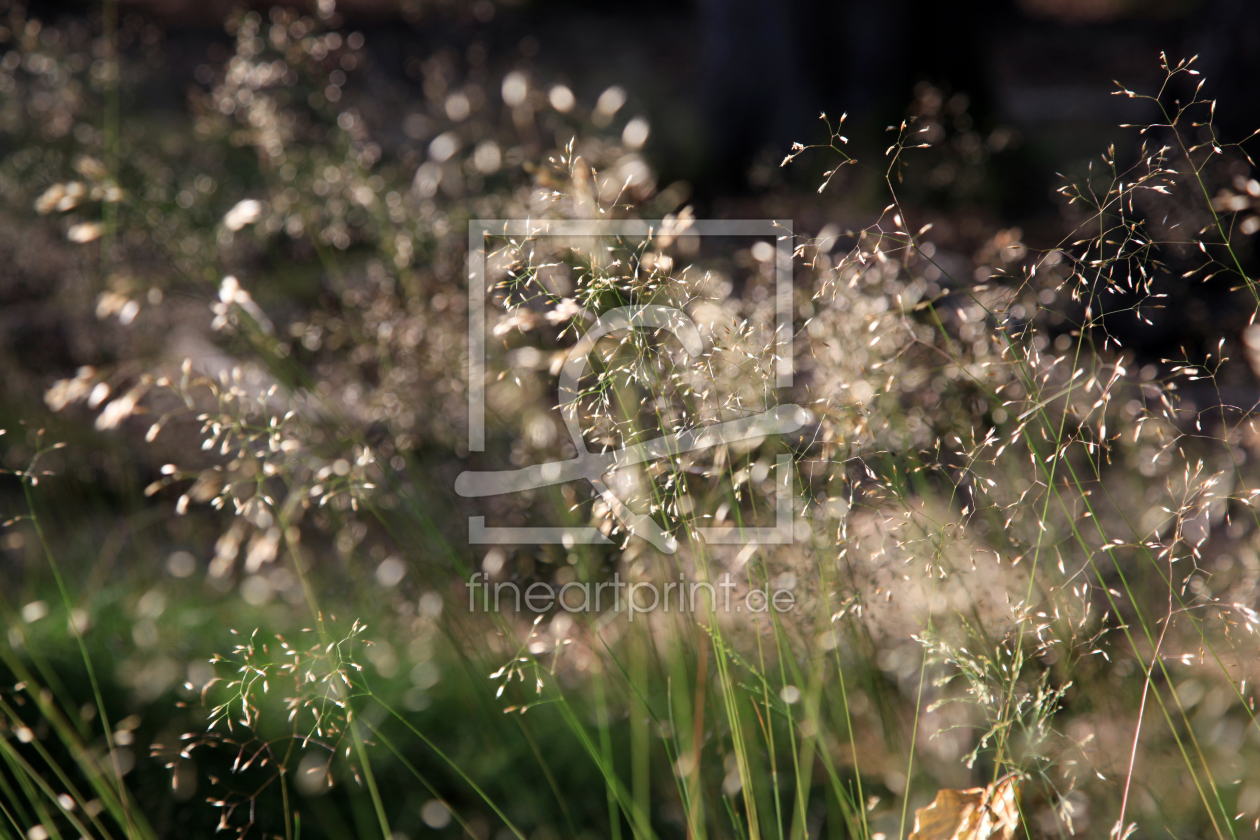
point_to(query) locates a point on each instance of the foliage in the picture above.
(1021, 551)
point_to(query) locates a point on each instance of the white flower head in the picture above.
(244, 213)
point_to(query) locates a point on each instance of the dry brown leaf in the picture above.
(987, 813)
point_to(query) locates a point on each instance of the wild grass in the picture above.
(1021, 549)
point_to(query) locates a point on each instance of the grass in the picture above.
(1023, 552)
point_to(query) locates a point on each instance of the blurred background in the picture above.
(728, 85)
(1025, 89)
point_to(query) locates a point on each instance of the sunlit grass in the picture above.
(1019, 555)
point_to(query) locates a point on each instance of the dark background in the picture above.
(729, 84)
